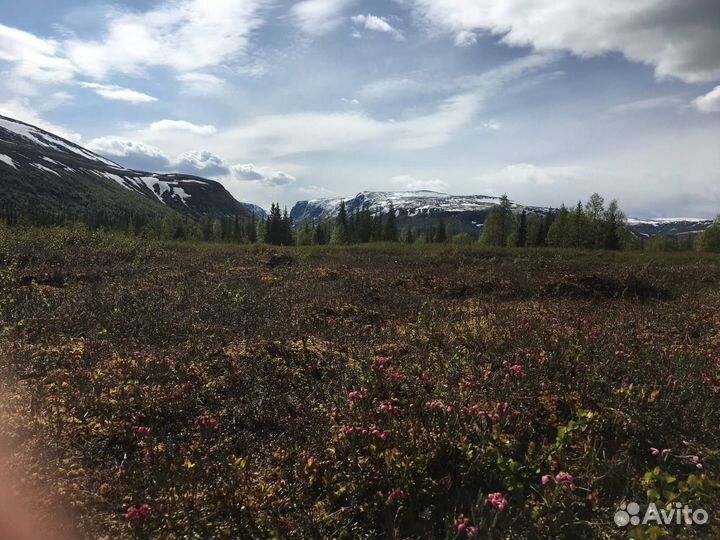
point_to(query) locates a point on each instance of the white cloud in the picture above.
(205, 163)
(34, 59)
(413, 184)
(710, 102)
(465, 38)
(679, 39)
(180, 126)
(491, 124)
(264, 175)
(278, 135)
(320, 16)
(201, 84)
(526, 173)
(133, 154)
(377, 24)
(184, 35)
(118, 93)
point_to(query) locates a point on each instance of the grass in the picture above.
(385, 391)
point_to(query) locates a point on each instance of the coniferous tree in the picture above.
(391, 230)
(377, 228)
(409, 236)
(559, 233)
(579, 225)
(440, 233)
(499, 224)
(613, 226)
(251, 229)
(341, 230)
(595, 210)
(522, 230)
(319, 237)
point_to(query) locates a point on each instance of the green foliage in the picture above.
(710, 239)
(499, 224)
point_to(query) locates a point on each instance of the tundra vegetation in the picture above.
(186, 390)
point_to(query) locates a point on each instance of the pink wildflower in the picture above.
(565, 479)
(138, 513)
(395, 495)
(141, 430)
(546, 479)
(357, 394)
(497, 500)
(204, 420)
(389, 408)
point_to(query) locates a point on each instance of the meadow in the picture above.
(190, 391)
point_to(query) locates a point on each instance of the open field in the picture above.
(378, 392)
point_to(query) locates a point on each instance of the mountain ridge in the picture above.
(424, 208)
(47, 173)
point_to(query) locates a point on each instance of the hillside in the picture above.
(45, 174)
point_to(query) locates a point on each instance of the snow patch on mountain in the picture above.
(48, 140)
(45, 169)
(406, 203)
(7, 160)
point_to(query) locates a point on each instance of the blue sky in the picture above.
(547, 101)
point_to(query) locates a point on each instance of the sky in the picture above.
(545, 100)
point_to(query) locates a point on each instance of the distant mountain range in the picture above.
(49, 174)
(423, 209)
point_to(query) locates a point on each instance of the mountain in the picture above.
(416, 209)
(48, 174)
(648, 228)
(255, 209)
(422, 209)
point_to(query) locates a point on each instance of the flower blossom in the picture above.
(497, 500)
(138, 513)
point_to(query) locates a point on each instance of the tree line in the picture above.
(591, 225)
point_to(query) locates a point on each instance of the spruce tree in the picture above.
(523, 230)
(391, 230)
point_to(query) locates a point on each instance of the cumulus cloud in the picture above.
(32, 58)
(710, 102)
(203, 163)
(118, 93)
(131, 154)
(377, 24)
(184, 35)
(145, 157)
(320, 16)
(679, 39)
(413, 184)
(264, 175)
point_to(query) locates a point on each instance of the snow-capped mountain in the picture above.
(417, 209)
(648, 228)
(421, 209)
(260, 213)
(39, 168)
(407, 204)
